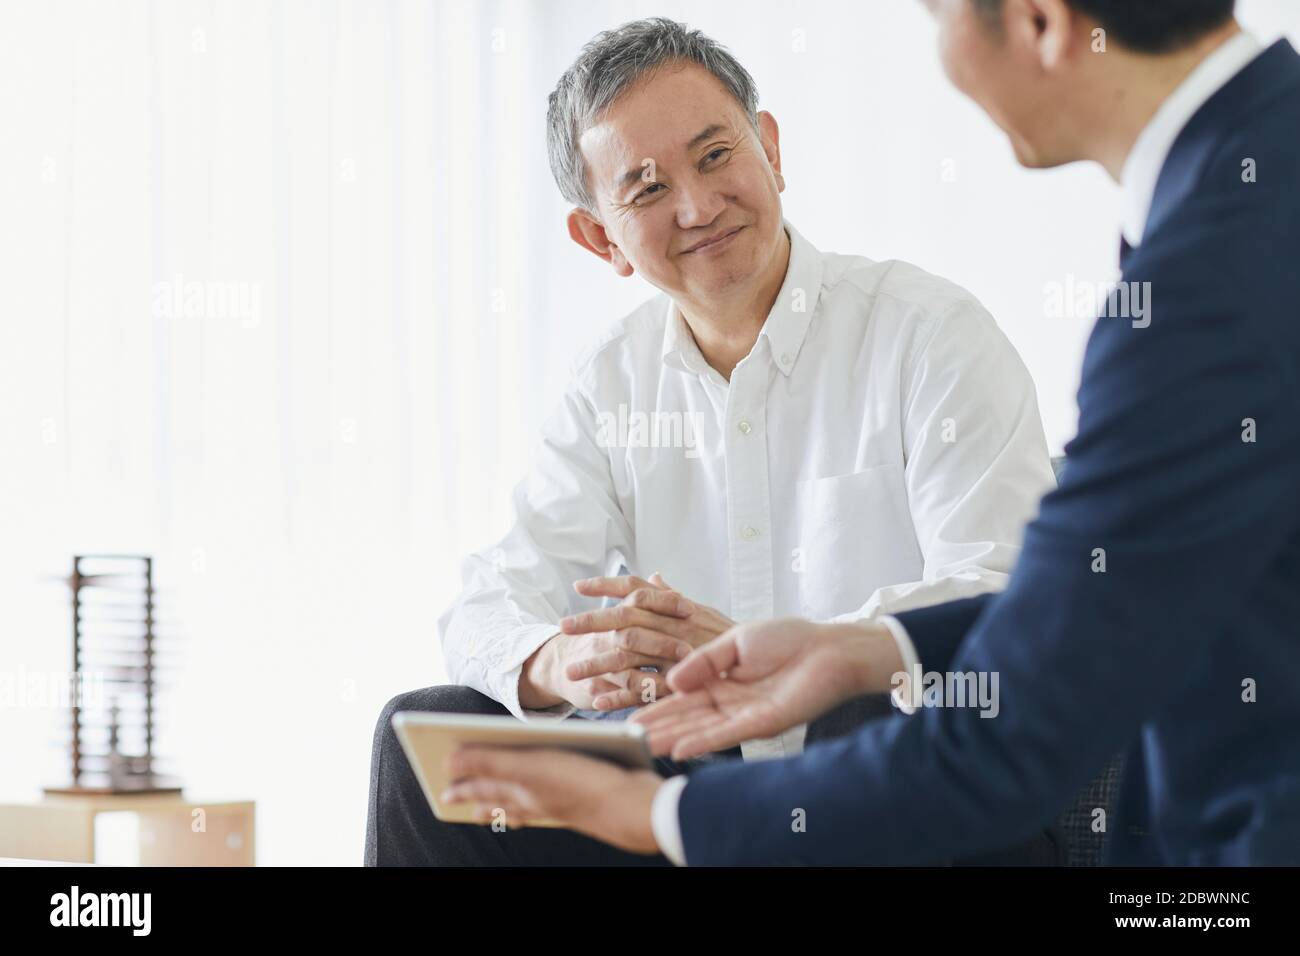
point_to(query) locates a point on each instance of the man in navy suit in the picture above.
(1155, 609)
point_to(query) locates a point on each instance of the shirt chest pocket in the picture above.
(854, 534)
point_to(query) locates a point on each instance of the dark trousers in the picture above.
(401, 829)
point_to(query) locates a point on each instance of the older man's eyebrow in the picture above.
(699, 138)
(630, 177)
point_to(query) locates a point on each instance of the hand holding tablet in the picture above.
(430, 739)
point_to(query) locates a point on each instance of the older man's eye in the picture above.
(716, 154)
(648, 192)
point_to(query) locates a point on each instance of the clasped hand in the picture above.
(616, 657)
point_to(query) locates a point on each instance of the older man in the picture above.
(782, 431)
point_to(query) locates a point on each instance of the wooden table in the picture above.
(174, 830)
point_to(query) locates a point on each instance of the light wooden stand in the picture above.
(61, 827)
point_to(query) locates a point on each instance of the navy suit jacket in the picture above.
(1185, 651)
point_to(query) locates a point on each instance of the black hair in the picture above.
(1147, 26)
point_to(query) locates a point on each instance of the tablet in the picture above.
(429, 739)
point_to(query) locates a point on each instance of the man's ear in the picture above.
(587, 232)
(771, 138)
(1050, 27)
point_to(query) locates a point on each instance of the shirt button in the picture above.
(745, 428)
(786, 359)
(750, 533)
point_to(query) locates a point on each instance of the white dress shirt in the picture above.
(1140, 175)
(879, 449)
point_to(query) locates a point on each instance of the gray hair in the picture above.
(610, 63)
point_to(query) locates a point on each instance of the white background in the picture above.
(373, 176)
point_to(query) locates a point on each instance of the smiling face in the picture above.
(687, 191)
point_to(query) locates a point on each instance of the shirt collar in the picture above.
(787, 323)
(680, 350)
(1142, 168)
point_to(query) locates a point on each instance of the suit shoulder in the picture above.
(1231, 245)
(1263, 150)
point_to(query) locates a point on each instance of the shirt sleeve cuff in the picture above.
(907, 689)
(664, 822)
(506, 689)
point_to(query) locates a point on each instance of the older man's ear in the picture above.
(590, 234)
(770, 136)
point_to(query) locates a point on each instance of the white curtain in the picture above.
(287, 289)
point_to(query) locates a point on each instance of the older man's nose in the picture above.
(698, 206)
